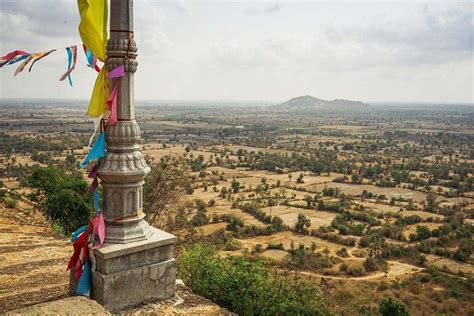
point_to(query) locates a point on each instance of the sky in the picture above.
(391, 51)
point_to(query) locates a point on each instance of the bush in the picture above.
(275, 246)
(10, 201)
(371, 264)
(355, 269)
(390, 307)
(342, 252)
(247, 287)
(57, 229)
(67, 209)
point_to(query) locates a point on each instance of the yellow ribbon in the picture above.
(93, 31)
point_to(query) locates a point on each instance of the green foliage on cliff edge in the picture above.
(247, 287)
(64, 197)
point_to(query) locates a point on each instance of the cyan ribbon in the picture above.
(69, 63)
(84, 284)
(96, 199)
(97, 150)
(78, 232)
(89, 56)
(17, 59)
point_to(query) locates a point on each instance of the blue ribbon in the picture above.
(84, 284)
(96, 198)
(90, 58)
(97, 150)
(78, 232)
(69, 63)
(17, 59)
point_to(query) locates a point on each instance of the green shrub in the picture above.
(57, 229)
(390, 307)
(342, 252)
(67, 202)
(275, 246)
(355, 269)
(247, 287)
(10, 201)
(67, 209)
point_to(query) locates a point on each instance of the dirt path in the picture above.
(33, 260)
(396, 269)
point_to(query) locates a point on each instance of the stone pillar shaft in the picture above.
(123, 169)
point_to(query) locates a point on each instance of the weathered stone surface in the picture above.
(184, 302)
(113, 258)
(129, 274)
(67, 306)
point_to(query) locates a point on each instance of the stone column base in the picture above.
(130, 274)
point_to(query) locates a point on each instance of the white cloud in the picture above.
(380, 50)
(261, 7)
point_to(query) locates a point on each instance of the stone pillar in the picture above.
(135, 264)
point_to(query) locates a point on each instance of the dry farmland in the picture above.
(377, 203)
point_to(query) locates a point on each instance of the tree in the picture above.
(235, 186)
(356, 178)
(67, 209)
(66, 200)
(271, 202)
(277, 223)
(309, 201)
(422, 232)
(302, 224)
(260, 190)
(376, 247)
(200, 218)
(318, 167)
(300, 178)
(390, 307)
(224, 192)
(163, 190)
(431, 201)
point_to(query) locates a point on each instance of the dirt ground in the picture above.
(33, 261)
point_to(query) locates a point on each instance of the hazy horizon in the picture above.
(140, 102)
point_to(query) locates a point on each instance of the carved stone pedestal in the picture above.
(135, 264)
(133, 273)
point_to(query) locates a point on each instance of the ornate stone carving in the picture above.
(117, 49)
(123, 133)
(131, 65)
(120, 163)
(121, 46)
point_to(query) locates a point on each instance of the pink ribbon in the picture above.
(117, 72)
(98, 226)
(12, 55)
(112, 105)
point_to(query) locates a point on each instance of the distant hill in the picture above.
(309, 103)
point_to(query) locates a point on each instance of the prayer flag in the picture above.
(97, 150)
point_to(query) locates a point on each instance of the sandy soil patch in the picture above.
(355, 189)
(455, 266)
(275, 254)
(422, 214)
